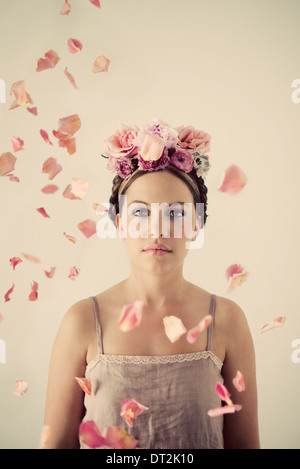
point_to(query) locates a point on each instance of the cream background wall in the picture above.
(226, 67)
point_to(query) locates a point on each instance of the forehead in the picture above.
(159, 186)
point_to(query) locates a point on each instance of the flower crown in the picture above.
(156, 146)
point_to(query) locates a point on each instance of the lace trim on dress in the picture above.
(155, 359)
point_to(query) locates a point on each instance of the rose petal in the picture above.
(69, 125)
(239, 382)
(100, 208)
(7, 294)
(51, 167)
(70, 77)
(77, 189)
(32, 110)
(87, 227)
(31, 258)
(195, 331)
(70, 238)
(33, 296)
(7, 163)
(227, 409)
(234, 181)
(74, 45)
(17, 143)
(18, 91)
(101, 64)
(223, 392)
(43, 212)
(90, 435)
(236, 275)
(131, 316)
(49, 189)
(96, 3)
(21, 388)
(278, 322)
(45, 136)
(45, 436)
(50, 273)
(66, 8)
(15, 261)
(131, 409)
(50, 60)
(73, 273)
(118, 438)
(174, 327)
(85, 385)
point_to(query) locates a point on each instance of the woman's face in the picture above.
(157, 221)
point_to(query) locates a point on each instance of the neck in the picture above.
(156, 291)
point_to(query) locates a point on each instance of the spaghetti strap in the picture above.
(211, 326)
(98, 325)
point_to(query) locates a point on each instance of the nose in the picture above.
(159, 225)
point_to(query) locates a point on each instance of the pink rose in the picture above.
(190, 139)
(121, 143)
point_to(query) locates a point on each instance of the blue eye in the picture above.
(176, 213)
(140, 212)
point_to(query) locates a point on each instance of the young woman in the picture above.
(173, 380)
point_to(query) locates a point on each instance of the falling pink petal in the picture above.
(51, 167)
(278, 322)
(195, 331)
(8, 293)
(45, 436)
(131, 409)
(87, 227)
(118, 438)
(49, 61)
(7, 163)
(32, 110)
(12, 177)
(234, 181)
(49, 189)
(31, 258)
(100, 208)
(21, 388)
(73, 273)
(43, 212)
(227, 409)
(74, 45)
(223, 392)
(50, 273)
(239, 382)
(21, 97)
(85, 385)
(70, 238)
(131, 316)
(96, 3)
(174, 328)
(15, 261)
(101, 64)
(77, 189)
(236, 275)
(17, 144)
(33, 296)
(70, 77)
(66, 8)
(45, 136)
(67, 126)
(90, 435)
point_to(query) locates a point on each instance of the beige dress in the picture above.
(177, 389)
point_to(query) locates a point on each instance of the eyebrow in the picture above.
(145, 203)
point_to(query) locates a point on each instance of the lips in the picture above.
(157, 247)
